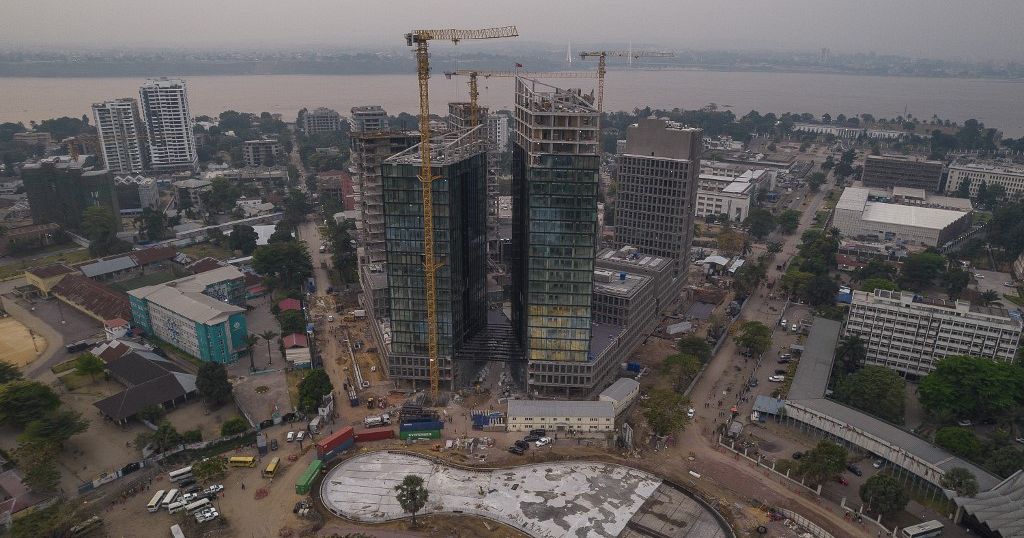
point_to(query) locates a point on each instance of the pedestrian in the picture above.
(243, 485)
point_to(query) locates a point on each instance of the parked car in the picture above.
(964, 423)
(877, 464)
(543, 441)
(273, 444)
(522, 444)
(853, 468)
(689, 413)
(783, 322)
(842, 480)
(780, 372)
(531, 438)
(539, 432)
(1020, 440)
(299, 436)
(516, 450)
(753, 382)
(290, 437)
(798, 455)
(777, 378)
(1009, 284)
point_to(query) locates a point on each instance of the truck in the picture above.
(314, 425)
(377, 420)
(359, 314)
(311, 285)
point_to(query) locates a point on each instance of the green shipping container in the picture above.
(307, 477)
(422, 434)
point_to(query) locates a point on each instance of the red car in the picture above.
(842, 480)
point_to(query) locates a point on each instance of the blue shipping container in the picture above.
(421, 426)
(410, 420)
(347, 444)
(633, 366)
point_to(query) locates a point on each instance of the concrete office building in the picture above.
(901, 171)
(119, 127)
(732, 198)
(369, 119)
(459, 163)
(858, 217)
(555, 166)
(1011, 177)
(624, 301)
(34, 138)
(654, 207)
(199, 314)
(60, 189)
(665, 285)
(909, 333)
(460, 116)
(135, 193)
(368, 151)
(165, 109)
(189, 192)
(321, 120)
(262, 152)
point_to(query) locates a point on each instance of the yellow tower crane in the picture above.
(473, 74)
(419, 39)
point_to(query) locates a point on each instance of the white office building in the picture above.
(172, 145)
(857, 216)
(1009, 176)
(497, 131)
(909, 333)
(119, 128)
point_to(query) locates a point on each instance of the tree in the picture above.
(234, 426)
(250, 342)
(1004, 461)
(152, 223)
(292, 321)
(972, 388)
(692, 344)
(876, 390)
(165, 437)
(760, 223)
(287, 263)
(412, 495)
(747, 278)
(665, 411)
(960, 480)
(267, 336)
(774, 247)
(90, 365)
(681, 366)
(964, 189)
(822, 462)
(243, 238)
(98, 223)
(955, 281)
(212, 382)
(23, 401)
(729, 241)
(851, 353)
(211, 468)
(755, 336)
(921, 269)
(38, 461)
(152, 413)
(282, 233)
(222, 196)
(53, 521)
(821, 290)
(816, 180)
(884, 494)
(789, 221)
(989, 296)
(8, 372)
(312, 389)
(959, 441)
(54, 427)
(878, 283)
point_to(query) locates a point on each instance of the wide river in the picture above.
(998, 103)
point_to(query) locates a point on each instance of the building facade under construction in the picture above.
(555, 175)
(459, 162)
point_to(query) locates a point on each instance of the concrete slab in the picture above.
(581, 499)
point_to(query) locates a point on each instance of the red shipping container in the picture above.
(378, 434)
(334, 440)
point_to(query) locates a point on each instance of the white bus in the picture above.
(201, 503)
(180, 474)
(176, 531)
(154, 503)
(176, 506)
(170, 497)
(923, 530)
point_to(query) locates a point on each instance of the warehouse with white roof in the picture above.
(857, 216)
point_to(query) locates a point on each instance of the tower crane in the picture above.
(602, 55)
(419, 39)
(473, 74)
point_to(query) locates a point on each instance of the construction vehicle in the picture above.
(419, 39)
(473, 74)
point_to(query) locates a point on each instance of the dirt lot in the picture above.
(16, 346)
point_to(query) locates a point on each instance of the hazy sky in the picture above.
(964, 29)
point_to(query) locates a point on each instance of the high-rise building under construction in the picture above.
(555, 169)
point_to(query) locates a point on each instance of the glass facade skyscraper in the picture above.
(460, 240)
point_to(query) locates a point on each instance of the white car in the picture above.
(1009, 284)
(216, 488)
(777, 378)
(300, 436)
(290, 437)
(979, 276)
(689, 413)
(330, 319)
(543, 441)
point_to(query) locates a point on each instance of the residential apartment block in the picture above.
(262, 152)
(321, 120)
(61, 188)
(369, 119)
(1011, 177)
(201, 314)
(909, 333)
(901, 171)
(165, 109)
(119, 127)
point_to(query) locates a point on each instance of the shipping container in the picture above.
(421, 426)
(261, 444)
(328, 456)
(332, 441)
(307, 477)
(378, 434)
(420, 434)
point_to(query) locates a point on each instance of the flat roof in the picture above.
(990, 168)
(192, 305)
(111, 265)
(816, 362)
(737, 187)
(853, 198)
(620, 389)
(1001, 508)
(909, 215)
(627, 286)
(560, 408)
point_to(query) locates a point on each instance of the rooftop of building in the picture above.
(630, 256)
(191, 183)
(903, 158)
(618, 283)
(999, 168)
(58, 161)
(553, 100)
(94, 297)
(921, 197)
(107, 266)
(200, 281)
(737, 187)
(50, 271)
(620, 389)
(602, 336)
(150, 380)
(190, 304)
(137, 179)
(560, 408)
(447, 148)
(858, 199)
(164, 82)
(1001, 508)
(961, 308)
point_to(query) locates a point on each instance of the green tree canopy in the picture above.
(234, 426)
(287, 263)
(747, 278)
(884, 494)
(312, 389)
(681, 367)
(211, 468)
(412, 495)
(292, 321)
(38, 461)
(665, 411)
(789, 221)
(8, 372)
(822, 462)
(222, 196)
(851, 353)
(212, 382)
(694, 345)
(920, 270)
(23, 401)
(243, 237)
(1004, 461)
(54, 427)
(959, 441)
(955, 280)
(960, 480)
(972, 388)
(50, 522)
(760, 223)
(816, 180)
(153, 223)
(876, 390)
(755, 336)
(165, 437)
(90, 365)
(878, 283)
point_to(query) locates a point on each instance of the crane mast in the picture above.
(474, 93)
(419, 39)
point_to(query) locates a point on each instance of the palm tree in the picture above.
(851, 353)
(990, 296)
(268, 335)
(251, 340)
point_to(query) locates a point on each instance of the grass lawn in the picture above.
(64, 366)
(293, 377)
(1019, 301)
(17, 267)
(202, 250)
(74, 381)
(147, 279)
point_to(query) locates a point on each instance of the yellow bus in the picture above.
(242, 461)
(271, 469)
